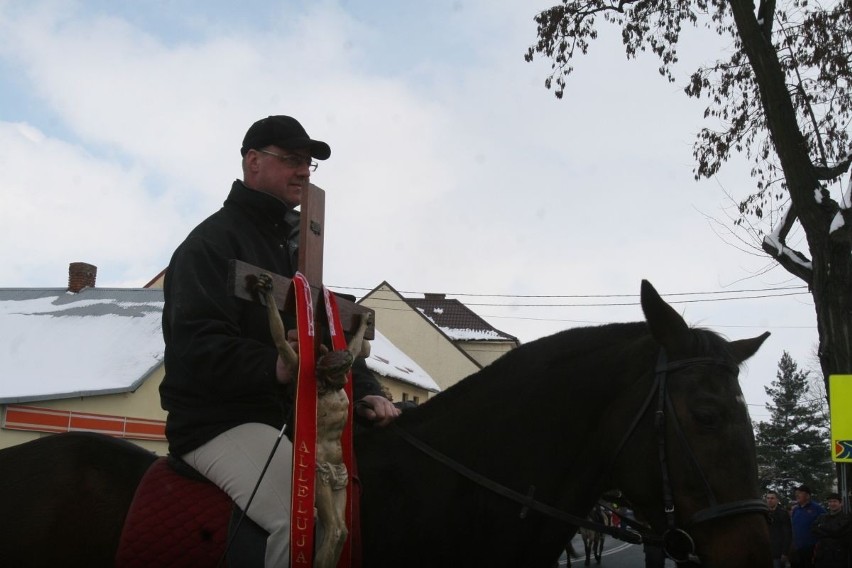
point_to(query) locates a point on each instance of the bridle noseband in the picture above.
(676, 542)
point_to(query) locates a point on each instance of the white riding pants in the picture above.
(234, 460)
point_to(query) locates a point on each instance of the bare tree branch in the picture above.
(791, 260)
(826, 173)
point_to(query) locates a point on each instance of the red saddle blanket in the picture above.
(174, 521)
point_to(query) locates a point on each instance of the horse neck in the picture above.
(529, 420)
(547, 401)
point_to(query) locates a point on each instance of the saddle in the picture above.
(177, 518)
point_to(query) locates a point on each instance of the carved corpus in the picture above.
(332, 476)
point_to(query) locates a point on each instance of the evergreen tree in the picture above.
(793, 447)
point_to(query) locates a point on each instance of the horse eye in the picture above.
(705, 417)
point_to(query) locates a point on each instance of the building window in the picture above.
(405, 397)
(416, 400)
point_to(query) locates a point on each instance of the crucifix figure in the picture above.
(331, 370)
(332, 476)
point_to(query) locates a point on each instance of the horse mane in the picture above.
(567, 348)
(573, 351)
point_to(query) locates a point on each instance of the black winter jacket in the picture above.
(834, 531)
(780, 532)
(220, 358)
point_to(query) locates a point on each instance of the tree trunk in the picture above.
(831, 262)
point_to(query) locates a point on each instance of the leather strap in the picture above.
(527, 501)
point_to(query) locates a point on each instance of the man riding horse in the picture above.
(226, 389)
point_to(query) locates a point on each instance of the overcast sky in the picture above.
(453, 169)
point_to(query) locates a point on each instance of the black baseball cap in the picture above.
(284, 132)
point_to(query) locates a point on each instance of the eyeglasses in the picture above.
(293, 160)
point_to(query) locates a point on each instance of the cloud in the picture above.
(60, 204)
(452, 168)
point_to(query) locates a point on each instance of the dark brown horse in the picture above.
(493, 471)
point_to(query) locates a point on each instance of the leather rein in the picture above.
(675, 541)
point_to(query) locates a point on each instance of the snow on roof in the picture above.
(469, 334)
(456, 320)
(387, 360)
(56, 344)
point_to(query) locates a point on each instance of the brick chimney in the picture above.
(81, 275)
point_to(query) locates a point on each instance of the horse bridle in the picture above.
(675, 541)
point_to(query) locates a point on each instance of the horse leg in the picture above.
(599, 542)
(569, 552)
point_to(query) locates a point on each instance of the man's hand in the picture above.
(377, 409)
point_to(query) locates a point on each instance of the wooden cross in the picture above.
(242, 280)
(241, 275)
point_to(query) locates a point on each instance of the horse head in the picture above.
(701, 492)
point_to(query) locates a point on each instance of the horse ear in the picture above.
(744, 348)
(665, 323)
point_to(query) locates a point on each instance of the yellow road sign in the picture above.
(840, 392)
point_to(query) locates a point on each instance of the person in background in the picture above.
(780, 530)
(227, 392)
(803, 515)
(615, 517)
(834, 533)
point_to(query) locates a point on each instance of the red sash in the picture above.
(304, 430)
